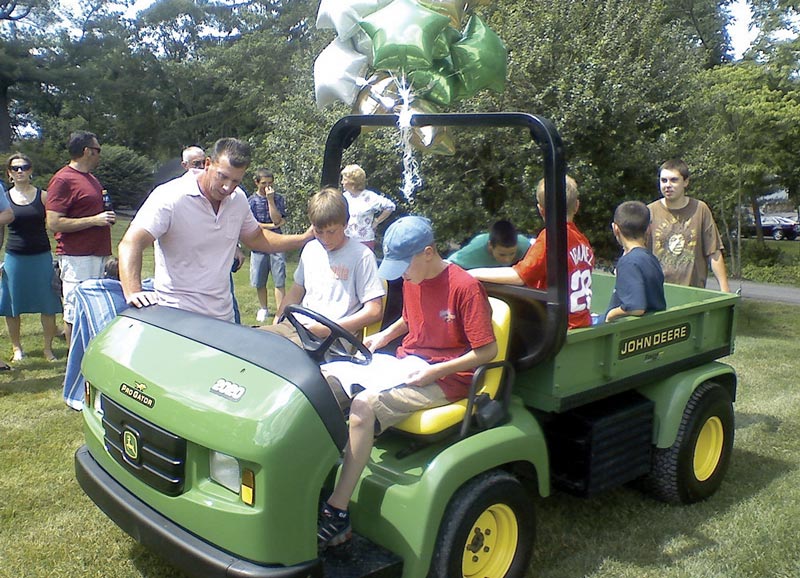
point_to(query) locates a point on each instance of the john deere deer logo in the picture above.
(131, 445)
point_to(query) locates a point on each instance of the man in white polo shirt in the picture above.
(195, 222)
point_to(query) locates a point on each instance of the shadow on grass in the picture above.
(150, 564)
(761, 319)
(769, 423)
(20, 383)
(578, 536)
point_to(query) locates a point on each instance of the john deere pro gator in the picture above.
(212, 444)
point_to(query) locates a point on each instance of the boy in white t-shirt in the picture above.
(336, 276)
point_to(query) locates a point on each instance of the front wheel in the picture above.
(778, 234)
(487, 530)
(692, 469)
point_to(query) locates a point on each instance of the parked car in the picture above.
(774, 226)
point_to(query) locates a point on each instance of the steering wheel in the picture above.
(330, 348)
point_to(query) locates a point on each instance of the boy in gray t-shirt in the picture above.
(336, 276)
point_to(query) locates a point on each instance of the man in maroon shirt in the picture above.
(80, 220)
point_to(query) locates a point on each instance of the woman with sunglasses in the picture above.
(27, 284)
(6, 216)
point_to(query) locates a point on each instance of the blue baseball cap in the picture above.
(405, 238)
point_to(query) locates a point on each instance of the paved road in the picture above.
(761, 291)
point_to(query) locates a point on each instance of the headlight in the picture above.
(226, 471)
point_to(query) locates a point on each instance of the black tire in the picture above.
(778, 234)
(487, 531)
(692, 469)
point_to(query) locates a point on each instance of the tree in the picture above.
(778, 47)
(744, 135)
(20, 71)
(100, 80)
(11, 10)
(124, 174)
(613, 75)
(705, 22)
(610, 75)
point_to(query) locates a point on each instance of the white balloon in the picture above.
(324, 19)
(363, 44)
(344, 15)
(338, 72)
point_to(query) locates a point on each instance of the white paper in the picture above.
(384, 372)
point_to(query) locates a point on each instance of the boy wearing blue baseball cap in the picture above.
(446, 321)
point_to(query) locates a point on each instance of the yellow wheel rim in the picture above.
(491, 544)
(708, 450)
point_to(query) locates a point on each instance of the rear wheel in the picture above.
(487, 530)
(692, 469)
(778, 234)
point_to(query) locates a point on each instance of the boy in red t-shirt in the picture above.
(447, 321)
(532, 269)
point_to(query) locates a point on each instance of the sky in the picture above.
(741, 37)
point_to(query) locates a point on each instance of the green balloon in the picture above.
(403, 35)
(441, 46)
(480, 58)
(437, 84)
(453, 9)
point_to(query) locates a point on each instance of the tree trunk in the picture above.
(5, 120)
(757, 218)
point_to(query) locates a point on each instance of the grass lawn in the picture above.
(48, 527)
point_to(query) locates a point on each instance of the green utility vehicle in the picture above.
(213, 444)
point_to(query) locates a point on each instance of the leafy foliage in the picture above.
(778, 274)
(126, 175)
(742, 138)
(760, 255)
(628, 84)
(604, 71)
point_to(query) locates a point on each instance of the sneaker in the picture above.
(333, 527)
(262, 315)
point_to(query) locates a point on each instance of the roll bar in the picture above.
(543, 132)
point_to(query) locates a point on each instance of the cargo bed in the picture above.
(602, 360)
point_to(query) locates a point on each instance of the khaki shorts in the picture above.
(74, 270)
(285, 329)
(391, 406)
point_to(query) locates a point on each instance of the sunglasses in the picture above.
(197, 164)
(19, 168)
